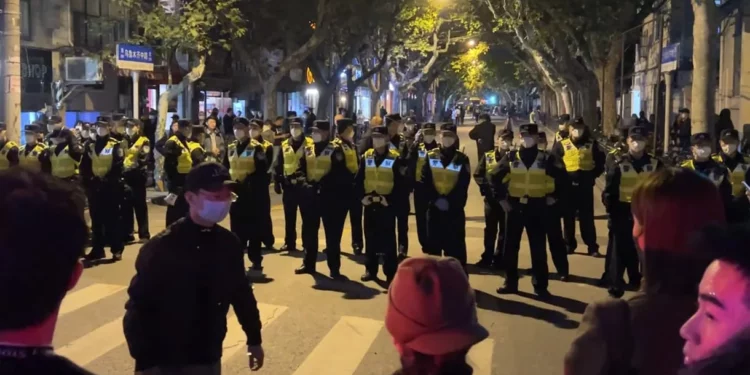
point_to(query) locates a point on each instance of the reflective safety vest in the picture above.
(444, 178)
(291, 157)
(318, 166)
(532, 182)
(265, 144)
(350, 155)
(132, 154)
(490, 162)
(30, 160)
(101, 164)
(716, 178)
(577, 159)
(559, 137)
(393, 147)
(421, 160)
(737, 175)
(242, 165)
(185, 160)
(63, 166)
(379, 178)
(629, 177)
(4, 162)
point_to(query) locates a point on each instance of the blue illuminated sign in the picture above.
(133, 57)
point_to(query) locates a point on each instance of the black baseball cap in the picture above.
(530, 129)
(448, 127)
(322, 125)
(344, 124)
(208, 176)
(730, 135)
(700, 138)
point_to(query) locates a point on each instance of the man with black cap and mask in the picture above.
(180, 155)
(563, 129)
(446, 177)
(326, 171)
(416, 161)
(380, 183)
(702, 163)
(265, 222)
(135, 173)
(345, 140)
(34, 155)
(738, 165)
(101, 166)
(584, 161)
(622, 178)
(525, 185)
(248, 165)
(289, 176)
(494, 216)
(8, 150)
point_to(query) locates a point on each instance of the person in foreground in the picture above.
(641, 334)
(191, 272)
(717, 336)
(36, 271)
(432, 317)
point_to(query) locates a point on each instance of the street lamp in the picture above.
(471, 43)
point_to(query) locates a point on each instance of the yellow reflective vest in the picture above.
(577, 159)
(318, 166)
(30, 159)
(185, 160)
(101, 163)
(444, 178)
(291, 157)
(421, 160)
(242, 165)
(62, 164)
(490, 162)
(629, 177)
(4, 162)
(531, 182)
(350, 155)
(379, 178)
(134, 152)
(737, 175)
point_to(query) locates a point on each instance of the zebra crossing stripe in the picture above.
(86, 296)
(343, 348)
(236, 340)
(480, 357)
(95, 344)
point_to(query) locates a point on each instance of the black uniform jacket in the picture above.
(611, 193)
(458, 196)
(115, 173)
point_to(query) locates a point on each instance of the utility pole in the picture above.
(12, 68)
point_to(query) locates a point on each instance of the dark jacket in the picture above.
(40, 364)
(731, 359)
(186, 278)
(227, 122)
(484, 134)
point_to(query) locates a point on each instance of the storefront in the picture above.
(36, 83)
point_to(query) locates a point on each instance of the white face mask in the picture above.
(379, 142)
(254, 133)
(239, 134)
(448, 141)
(504, 145)
(214, 211)
(296, 132)
(30, 138)
(102, 132)
(529, 142)
(129, 132)
(701, 153)
(317, 137)
(637, 146)
(575, 133)
(85, 133)
(729, 148)
(429, 138)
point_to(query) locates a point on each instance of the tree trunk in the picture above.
(567, 102)
(589, 93)
(607, 81)
(704, 75)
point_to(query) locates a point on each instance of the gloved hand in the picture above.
(442, 204)
(506, 205)
(277, 188)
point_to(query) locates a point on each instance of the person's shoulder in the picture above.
(227, 237)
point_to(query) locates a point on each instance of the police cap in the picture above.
(241, 121)
(32, 129)
(129, 123)
(101, 124)
(448, 127)
(118, 116)
(395, 117)
(700, 138)
(637, 132)
(578, 123)
(344, 124)
(183, 124)
(208, 176)
(322, 125)
(528, 129)
(380, 130)
(730, 135)
(256, 122)
(564, 118)
(428, 126)
(101, 118)
(506, 134)
(296, 121)
(684, 110)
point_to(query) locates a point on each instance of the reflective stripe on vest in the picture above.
(4, 162)
(577, 159)
(242, 165)
(530, 182)
(63, 166)
(131, 156)
(444, 178)
(291, 158)
(101, 164)
(318, 166)
(30, 160)
(185, 160)
(379, 178)
(629, 178)
(421, 160)
(350, 155)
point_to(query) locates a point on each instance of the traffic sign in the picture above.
(133, 57)
(669, 57)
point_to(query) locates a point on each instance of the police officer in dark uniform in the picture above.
(266, 222)
(738, 165)
(394, 125)
(345, 140)
(494, 215)
(248, 164)
(380, 184)
(525, 184)
(702, 163)
(65, 152)
(410, 132)
(135, 172)
(563, 128)
(584, 161)
(101, 165)
(416, 160)
(446, 177)
(622, 177)
(289, 176)
(8, 150)
(553, 226)
(180, 155)
(34, 155)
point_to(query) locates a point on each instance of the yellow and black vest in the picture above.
(7, 148)
(379, 178)
(737, 175)
(532, 182)
(421, 160)
(292, 158)
(30, 159)
(101, 164)
(134, 152)
(577, 159)
(717, 178)
(185, 160)
(242, 165)
(629, 177)
(444, 178)
(62, 164)
(350, 155)
(318, 166)
(491, 160)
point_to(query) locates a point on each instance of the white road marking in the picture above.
(480, 357)
(86, 296)
(236, 340)
(95, 344)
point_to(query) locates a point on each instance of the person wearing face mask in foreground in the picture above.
(738, 165)
(622, 178)
(494, 215)
(34, 155)
(135, 171)
(166, 287)
(416, 160)
(345, 140)
(8, 150)
(446, 177)
(180, 155)
(702, 163)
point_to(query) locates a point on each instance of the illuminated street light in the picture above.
(342, 98)
(471, 43)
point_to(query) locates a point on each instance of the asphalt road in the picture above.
(313, 325)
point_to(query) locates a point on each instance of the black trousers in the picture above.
(446, 233)
(135, 200)
(580, 202)
(530, 217)
(247, 220)
(334, 218)
(380, 238)
(494, 232)
(610, 250)
(420, 212)
(291, 201)
(625, 255)
(402, 218)
(557, 249)
(104, 208)
(355, 221)
(311, 209)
